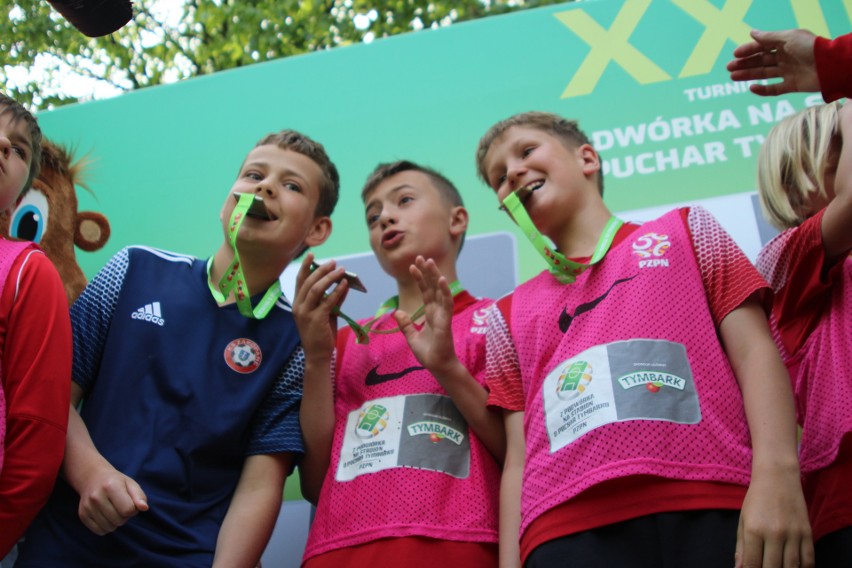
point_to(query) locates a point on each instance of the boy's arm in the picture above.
(253, 511)
(774, 528)
(836, 236)
(36, 373)
(317, 324)
(108, 498)
(433, 346)
(510, 490)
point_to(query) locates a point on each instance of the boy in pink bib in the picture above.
(643, 398)
(401, 452)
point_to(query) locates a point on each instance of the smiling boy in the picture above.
(190, 418)
(399, 426)
(644, 401)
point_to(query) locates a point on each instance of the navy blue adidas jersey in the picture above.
(178, 392)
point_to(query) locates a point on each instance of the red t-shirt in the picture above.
(35, 350)
(411, 552)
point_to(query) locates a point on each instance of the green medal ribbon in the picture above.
(562, 268)
(362, 332)
(234, 279)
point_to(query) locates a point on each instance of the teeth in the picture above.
(526, 190)
(529, 188)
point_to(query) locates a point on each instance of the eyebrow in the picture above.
(512, 147)
(19, 138)
(490, 174)
(373, 202)
(287, 172)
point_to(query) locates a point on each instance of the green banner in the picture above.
(646, 78)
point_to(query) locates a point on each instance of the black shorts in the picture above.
(694, 539)
(835, 549)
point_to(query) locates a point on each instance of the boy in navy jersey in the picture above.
(190, 385)
(399, 429)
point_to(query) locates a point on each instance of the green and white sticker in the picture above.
(639, 379)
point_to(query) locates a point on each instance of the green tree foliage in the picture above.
(201, 37)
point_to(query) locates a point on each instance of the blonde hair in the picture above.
(793, 162)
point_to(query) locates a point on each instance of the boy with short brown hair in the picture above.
(191, 373)
(619, 371)
(399, 425)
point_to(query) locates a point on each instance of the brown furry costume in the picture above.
(48, 215)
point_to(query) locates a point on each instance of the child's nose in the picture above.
(264, 188)
(5, 146)
(513, 175)
(386, 217)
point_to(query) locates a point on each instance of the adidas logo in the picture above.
(149, 312)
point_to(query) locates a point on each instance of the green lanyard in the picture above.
(362, 332)
(234, 279)
(563, 269)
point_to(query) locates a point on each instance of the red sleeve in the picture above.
(35, 338)
(834, 66)
(728, 276)
(502, 369)
(795, 265)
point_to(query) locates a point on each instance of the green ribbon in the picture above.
(562, 268)
(362, 332)
(233, 279)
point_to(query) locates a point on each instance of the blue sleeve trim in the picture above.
(276, 423)
(91, 316)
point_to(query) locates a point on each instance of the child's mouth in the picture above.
(262, 213)
(524, 193)
(391, 238)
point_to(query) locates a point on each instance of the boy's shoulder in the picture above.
(145, 262)
(151, 253)
(23, 263)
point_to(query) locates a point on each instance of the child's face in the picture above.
(289, 183)
(407, 216)
(554, 174)
(15, 156)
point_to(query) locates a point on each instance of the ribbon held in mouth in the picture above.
(563, 269)
(233, 279)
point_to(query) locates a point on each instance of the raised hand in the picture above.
(788, 55)
(432, 343)
(313, 309)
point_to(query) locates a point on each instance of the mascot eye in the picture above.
(29, 219)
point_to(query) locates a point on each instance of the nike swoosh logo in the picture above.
(376, 378)
(565, 319)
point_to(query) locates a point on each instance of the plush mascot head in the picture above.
(47, 214)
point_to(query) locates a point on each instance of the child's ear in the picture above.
(590, 161)
(458, 220)
(319, 232)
